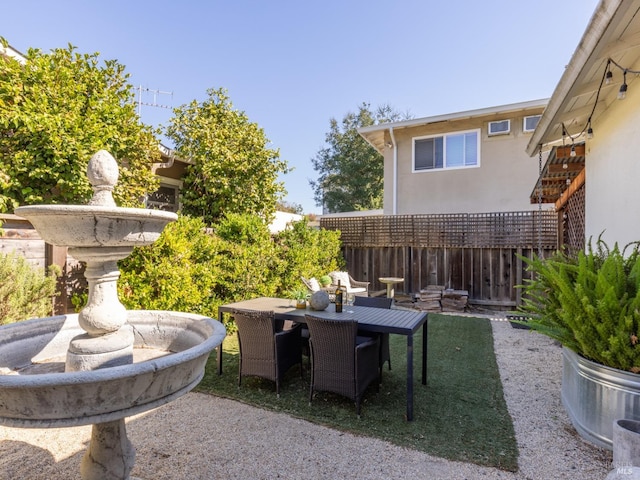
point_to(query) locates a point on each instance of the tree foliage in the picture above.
(350, 171)
(56, 111)
(307, 252)
(233, 170)
(194, 269)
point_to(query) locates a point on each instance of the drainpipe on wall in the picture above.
(394, 209)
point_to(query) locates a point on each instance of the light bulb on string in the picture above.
(572, 153)
(622, 93)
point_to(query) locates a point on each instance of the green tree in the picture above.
(56, 111)
(233, 170)
(350, 171)
(289, 207)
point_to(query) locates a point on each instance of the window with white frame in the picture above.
(501, 127)
(453, 150)
(530, 123)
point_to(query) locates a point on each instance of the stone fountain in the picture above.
(105, 363)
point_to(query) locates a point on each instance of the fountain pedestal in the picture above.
(102, 383)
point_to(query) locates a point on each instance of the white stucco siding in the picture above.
(613, 173)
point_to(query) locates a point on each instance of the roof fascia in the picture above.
(585, 52)
(456, 116)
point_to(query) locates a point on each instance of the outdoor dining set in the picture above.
(347, 350)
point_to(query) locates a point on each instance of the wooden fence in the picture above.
(479, 253)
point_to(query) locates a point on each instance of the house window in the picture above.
(165, 198)
(454, 150)
(501, 127)
(530, 123)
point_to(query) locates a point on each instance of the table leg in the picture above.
(219, 353)
(409, 378)
(424, 352)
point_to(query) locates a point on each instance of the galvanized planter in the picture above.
(595, 396)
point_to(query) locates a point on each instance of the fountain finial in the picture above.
(102, 172)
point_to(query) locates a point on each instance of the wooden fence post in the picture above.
(54, 255)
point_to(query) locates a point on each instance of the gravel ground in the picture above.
(203, 437)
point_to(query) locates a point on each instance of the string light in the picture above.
(622, 93)
(607, 78)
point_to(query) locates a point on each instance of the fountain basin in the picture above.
(93, 226)
(170, 354)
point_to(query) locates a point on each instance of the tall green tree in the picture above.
(233, 170)
(350, 171)
(56, 111)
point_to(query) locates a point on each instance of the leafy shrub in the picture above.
(25, 292)
(192, 269)
(250, 263)
(590, 303)
(307, 252)
(178, 272)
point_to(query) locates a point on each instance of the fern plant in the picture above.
(590, 303)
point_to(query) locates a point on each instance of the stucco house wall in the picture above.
(501, 182)
(613, 173)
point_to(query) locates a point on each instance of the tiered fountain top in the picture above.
(101, 223)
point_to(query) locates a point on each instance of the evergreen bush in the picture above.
(25, 292)
(590, 303)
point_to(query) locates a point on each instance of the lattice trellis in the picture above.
(573, 221)
(481, 230)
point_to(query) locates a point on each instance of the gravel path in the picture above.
(203, 437)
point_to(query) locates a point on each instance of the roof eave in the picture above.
(580, 60)
(375, 134)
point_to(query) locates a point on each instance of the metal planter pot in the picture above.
(595, 396)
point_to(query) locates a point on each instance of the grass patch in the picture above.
(460, 415)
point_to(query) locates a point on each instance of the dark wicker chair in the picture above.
(268, 347)
(341, 362)
(378, 302)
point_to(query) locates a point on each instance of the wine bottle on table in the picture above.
(339, 295)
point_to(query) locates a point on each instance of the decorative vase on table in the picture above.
(319, 300)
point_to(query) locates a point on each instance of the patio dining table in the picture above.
(375, 320)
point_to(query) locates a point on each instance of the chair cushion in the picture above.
(343, 277)
(313, 283)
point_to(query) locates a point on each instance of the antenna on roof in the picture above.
(154, 102)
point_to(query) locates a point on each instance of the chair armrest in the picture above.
(356, 283)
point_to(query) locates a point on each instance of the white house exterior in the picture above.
(584, 101)
(465, 162)
(11, 52)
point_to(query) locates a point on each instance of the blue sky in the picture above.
(291, 66)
